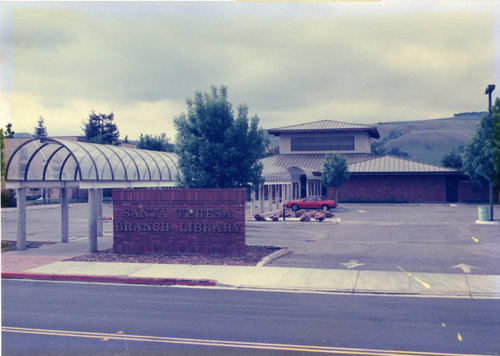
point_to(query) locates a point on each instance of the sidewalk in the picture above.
(46, 263)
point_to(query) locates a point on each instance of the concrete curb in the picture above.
(110, 279)
(273, 256)
(214, 283)
(488, 222)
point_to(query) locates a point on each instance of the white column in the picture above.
(93, 210)
(261, 198)
(21, 218)
(278, 194)
(252, 201)
(270, 196)
(64, 214)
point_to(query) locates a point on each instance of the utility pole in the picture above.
(488, 91)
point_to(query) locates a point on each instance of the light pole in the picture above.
(488, 91)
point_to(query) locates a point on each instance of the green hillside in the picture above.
(427, 140)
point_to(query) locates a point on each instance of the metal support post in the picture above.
(93, 210)
(21, 218)
(64, 215)
(99, 212)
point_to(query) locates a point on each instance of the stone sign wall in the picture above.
(179, 221)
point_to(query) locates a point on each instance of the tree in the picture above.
(155, 143)
(100, 128)
(40, 130)
(335, 171)
(8, 131)
(497, 159)
(452, 160)
(378, 148)
(217, 150)
(2, 146)
(480, 160)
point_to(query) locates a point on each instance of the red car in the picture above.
(313, 202)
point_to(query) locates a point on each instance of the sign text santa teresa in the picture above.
(179, 221)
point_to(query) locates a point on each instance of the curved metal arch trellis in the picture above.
(103, 165)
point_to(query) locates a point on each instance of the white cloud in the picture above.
(290, 62)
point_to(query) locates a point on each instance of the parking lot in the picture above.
(419, 238)
(385, 237)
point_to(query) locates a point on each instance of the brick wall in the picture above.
(398, 188)
(473, 192)
(179, 221)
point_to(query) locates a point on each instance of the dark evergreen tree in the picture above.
(100, 128)
(40, 130)
(155, 143)
(452, 160)
(9, 133)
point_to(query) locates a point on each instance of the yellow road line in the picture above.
(426, 285)
(222, 343)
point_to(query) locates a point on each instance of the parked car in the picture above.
(313, 202)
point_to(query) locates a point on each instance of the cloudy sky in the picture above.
(290, 62)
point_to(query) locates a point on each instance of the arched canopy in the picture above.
(276, 174)
(51, 163)
(297, 172)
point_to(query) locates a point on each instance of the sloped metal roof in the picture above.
(48, 161)
(391, 164)
(310, 161)
(357, 163)
(325, 126)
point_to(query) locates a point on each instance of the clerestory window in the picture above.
(322, 143)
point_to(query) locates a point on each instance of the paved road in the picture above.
(70, 318)
(417, 238)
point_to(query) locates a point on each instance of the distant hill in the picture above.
(425, 141)
(428, 141)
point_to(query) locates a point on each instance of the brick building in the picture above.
(373, 178)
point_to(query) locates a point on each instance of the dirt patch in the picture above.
(254, 254)
(12, 245)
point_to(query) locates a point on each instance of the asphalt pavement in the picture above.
(367, 249)
(110, 319)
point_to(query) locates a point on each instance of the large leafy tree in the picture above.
(482, 152)
(100, 128)
(40, 129)
(155, 143)
(217, 149)
(335, 171)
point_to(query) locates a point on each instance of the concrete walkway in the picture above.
(46, 263)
